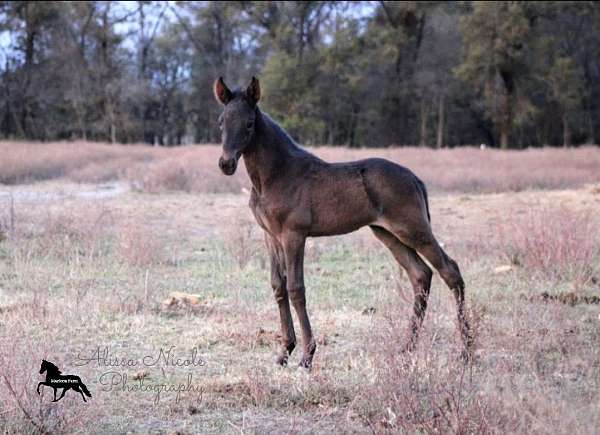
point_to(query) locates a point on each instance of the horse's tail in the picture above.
(425, 197)
(84, 389)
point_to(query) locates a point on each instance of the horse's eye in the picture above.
(249, 125)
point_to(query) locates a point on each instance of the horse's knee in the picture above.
(296, 294)
(279, 291)
(278, 286)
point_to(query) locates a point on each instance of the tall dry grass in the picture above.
(242, 242)
(24, 162)
(22, 409)
(517, 384)
(194, 168)
(557, 243)
(86, 277)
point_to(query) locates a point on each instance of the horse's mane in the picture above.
(53, 367)
(285, 138)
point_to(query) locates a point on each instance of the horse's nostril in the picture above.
(227, 166)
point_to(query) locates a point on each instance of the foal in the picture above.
(296, 195)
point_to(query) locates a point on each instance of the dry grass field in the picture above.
(95, 239)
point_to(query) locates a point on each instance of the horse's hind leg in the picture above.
(426, 245)
(420, 278)
(76, 388)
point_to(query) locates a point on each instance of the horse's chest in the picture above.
(269, 215)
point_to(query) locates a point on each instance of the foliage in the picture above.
(508, 74)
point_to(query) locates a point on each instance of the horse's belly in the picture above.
(336, 230)
(342, 218)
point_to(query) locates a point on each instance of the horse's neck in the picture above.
(268, 154)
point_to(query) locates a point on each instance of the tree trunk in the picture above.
(107, 77)
(112, 125)
(30, 39)
(424, 116)
(10, 109)
(591, 134)
(566, 131)
(504, 133)
(143, 58)
(301, 37)
(506, 116)
(505, 122)
(80, 115)
(441, 121)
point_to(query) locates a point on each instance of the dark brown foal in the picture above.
(296, 195)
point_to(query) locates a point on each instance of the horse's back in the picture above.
(385, 176)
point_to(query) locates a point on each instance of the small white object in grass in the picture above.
(482, 146)
(503, 269)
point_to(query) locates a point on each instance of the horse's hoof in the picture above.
(466, 356)
(409, 347)
(307, 357)
(282, 360)
(407, 350)
(305, 363)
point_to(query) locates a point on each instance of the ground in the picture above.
(87, 270)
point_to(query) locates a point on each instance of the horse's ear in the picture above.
(253, 90)
(222, 93)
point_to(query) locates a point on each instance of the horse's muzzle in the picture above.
(228, 166)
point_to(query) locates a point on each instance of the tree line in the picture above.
(507, 74)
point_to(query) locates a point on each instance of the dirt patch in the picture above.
(52, 191)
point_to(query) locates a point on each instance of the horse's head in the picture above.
(49, 367)
(44, 366)
(237, 122)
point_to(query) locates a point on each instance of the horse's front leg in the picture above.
(61, 396)
(278, 282)
(293, 246)
(39, 385)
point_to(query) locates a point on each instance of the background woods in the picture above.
(508, 74)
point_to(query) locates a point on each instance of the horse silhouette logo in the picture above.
(55, 379)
